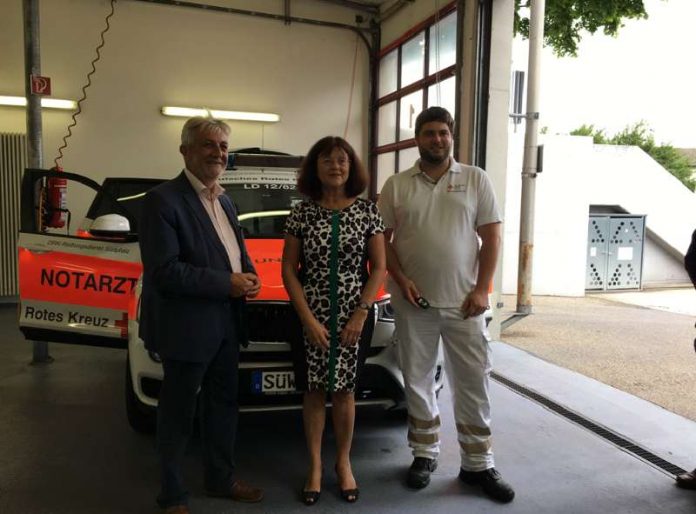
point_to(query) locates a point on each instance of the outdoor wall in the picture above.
(627, 176)
(660, 268)
(578, 174)
(560, 216)
(158, 55)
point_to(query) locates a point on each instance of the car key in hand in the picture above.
(422, 302)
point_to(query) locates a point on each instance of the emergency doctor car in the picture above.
(85, 288)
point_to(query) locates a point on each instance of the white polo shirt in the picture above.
(435, 228)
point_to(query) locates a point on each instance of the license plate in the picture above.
(273, 382)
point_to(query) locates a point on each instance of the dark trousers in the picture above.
(218, 383)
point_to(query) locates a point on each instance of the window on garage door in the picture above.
(415, 72)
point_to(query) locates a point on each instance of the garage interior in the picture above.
(67, 447)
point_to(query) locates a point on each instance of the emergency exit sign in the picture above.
(40, 85)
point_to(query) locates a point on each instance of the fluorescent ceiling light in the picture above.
(13, 100)
(51, 103)
(184, 111)
(57, 103)
(245, 116)
(188, 112)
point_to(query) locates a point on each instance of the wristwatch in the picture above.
(364, 306)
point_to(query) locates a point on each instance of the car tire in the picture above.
(142, 418)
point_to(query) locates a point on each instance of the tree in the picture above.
(566, 19)
(598, 136)
(639, 134)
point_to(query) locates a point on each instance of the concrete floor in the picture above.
(66, 447)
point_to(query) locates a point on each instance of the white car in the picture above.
(263, 187)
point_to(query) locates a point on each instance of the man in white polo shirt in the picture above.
(435, 213)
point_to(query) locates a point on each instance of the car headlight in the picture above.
(385, 311)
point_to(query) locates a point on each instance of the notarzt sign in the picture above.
(87, 281)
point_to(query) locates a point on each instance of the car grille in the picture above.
(271, 322)
(274, 356)
(274, 322)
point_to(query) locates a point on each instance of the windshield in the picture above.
(263, 199)
(128, 192)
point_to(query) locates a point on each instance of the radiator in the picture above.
(13, 151)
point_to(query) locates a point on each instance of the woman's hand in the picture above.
(351, 332)
(316, 333)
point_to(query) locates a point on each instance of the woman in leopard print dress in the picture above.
(330, 238)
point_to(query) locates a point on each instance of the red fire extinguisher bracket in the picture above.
(56, 201)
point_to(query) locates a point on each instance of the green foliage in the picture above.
(589, 130)
(639, 134)
(565, 20)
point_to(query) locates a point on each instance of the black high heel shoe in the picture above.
(310, 497)
(349, 495)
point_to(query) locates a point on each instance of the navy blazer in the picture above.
(186, 307)
(690, 260)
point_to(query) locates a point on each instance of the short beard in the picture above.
(432, 159)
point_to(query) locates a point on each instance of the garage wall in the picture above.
(158, 55)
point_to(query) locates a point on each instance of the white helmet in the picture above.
(110, 225)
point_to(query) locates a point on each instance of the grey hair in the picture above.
(197, 124)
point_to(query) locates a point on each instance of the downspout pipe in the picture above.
(530, 159)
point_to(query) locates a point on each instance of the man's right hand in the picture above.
(242, 283)
(409, 290)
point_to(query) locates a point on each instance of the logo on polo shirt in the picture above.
(454, 188)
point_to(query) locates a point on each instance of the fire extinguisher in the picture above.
(56, 201)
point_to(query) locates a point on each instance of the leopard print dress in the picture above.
(311, 223)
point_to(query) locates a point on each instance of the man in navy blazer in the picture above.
(197, 276)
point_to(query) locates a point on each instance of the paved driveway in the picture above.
(644, 350)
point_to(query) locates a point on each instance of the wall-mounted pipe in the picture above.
(259, 14)
(355, 5)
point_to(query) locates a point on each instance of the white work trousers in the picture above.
(467, 366)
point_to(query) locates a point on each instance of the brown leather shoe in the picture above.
(239, 491)
(687, 480)
(176, 509)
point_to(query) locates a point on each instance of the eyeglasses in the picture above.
(343, 162)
